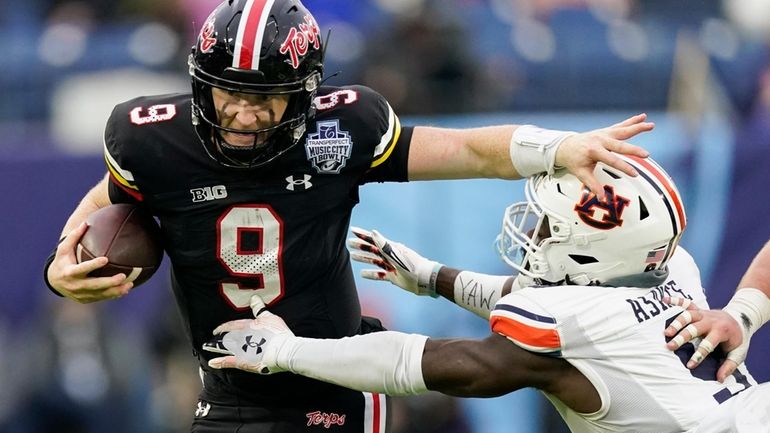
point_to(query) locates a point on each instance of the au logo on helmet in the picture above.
(613, 206)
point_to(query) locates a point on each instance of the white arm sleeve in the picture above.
(387, 362)
(478, 293)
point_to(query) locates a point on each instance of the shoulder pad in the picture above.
(131, 130)
(366, 113)
(526, 324)
(339, 98)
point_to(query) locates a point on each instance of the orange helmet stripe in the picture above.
(668, 186)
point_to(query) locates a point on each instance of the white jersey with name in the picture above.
(614, 336)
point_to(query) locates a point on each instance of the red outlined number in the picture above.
(250, 247)
(156, 113)
(326, 102)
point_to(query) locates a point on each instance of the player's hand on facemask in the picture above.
(397, 263)
(249, 344)
(716, 327)
(579, 153)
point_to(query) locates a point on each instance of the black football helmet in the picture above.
(266, 47)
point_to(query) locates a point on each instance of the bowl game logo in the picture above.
(328, 149)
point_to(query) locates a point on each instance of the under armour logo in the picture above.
(202, 410)
(253, 345)
(299, 184)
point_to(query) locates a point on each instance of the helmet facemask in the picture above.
(527, 233)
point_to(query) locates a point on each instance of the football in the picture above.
(128, 237)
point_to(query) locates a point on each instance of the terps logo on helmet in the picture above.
(207, 36)
(612, 205)
(299, 41)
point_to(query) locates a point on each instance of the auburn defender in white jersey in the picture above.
(583, 321)
(614, 337)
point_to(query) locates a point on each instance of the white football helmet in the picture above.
(563, 234)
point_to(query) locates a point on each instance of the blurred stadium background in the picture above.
(700, 69)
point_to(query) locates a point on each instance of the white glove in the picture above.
(250, 344)
(398, 263)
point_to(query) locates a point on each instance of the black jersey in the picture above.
(277, 230)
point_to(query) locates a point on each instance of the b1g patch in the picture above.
(328, 149)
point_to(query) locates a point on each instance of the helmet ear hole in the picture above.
(583, 260)
(611, 174)
(643, 212)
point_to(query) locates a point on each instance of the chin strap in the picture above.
(644, 279)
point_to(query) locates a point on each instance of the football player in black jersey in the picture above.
(253, 178)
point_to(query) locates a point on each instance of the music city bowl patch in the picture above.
(328, 149)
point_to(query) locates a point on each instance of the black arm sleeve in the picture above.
(47, 265)
(395, 168)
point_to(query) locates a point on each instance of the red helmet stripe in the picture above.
(251, 29)
(667, 186)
